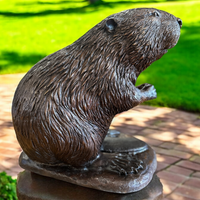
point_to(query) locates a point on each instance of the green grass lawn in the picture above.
(32, 29)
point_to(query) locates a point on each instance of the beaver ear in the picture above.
(111, 25)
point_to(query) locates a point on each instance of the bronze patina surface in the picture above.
(63, 107)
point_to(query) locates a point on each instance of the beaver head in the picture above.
(135, 37)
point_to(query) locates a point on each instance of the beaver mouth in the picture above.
(172, 41)
(170, 45)
(165, 50)
(162, 52)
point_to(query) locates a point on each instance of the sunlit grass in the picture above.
(33, 29)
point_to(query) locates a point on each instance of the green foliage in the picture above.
(7, 187)
(33, 29)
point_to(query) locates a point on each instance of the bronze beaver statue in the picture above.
(63, 107)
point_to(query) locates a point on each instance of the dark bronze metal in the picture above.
(35, 187)
(63, 107)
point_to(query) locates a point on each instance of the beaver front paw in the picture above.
(148, 91)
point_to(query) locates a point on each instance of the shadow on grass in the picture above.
(47, 3)
(100, 2)
(11, 59)
(46, 12)
(82, 9)
(94, 4)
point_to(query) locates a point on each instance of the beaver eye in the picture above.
(156, 14)
(111, 25)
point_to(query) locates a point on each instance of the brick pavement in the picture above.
(174, 135)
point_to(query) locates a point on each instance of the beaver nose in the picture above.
(179, 22)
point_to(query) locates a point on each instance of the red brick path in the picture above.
(174, 135)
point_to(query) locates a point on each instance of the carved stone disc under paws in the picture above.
(117, 172)
(125, 164)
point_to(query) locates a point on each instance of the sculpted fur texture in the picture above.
(63, 107)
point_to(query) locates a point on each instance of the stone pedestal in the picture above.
(31, 186)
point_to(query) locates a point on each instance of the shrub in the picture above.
(7, 187)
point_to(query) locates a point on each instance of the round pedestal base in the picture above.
(31, 186)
